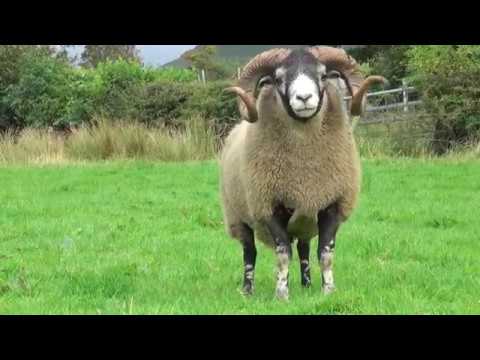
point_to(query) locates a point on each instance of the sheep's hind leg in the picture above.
(303, 247)
(249, 258)
(328, 224)
(284, 253)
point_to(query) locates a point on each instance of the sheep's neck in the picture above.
(290, 132)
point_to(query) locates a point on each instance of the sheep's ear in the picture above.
(247, 100)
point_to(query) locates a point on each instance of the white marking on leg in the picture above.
(249, 279)
(326, 264)
(306, 267)
(282, 275)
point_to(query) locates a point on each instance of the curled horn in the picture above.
(338, 59)
(357, 107)
(248, 102)
(261, 65)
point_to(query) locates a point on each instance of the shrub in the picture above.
(211, 102)
(87, 92)
(170, 103)
(392, 64)
(163, 101)
(151, 95)
(49, 91)
(121, 84)
(43, 92)
(448, 76)
(170, 74)
(11, 59)
(389, 61)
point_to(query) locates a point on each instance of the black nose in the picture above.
(304, 98)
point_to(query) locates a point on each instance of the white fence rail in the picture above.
(391, 105)
(405, 102)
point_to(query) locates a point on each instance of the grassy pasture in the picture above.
(137, 237)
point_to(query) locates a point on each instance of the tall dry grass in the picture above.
(110, 141)
(32, 146)
(407, 137)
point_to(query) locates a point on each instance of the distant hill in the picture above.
(240, 53)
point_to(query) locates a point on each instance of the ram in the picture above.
(290, 170)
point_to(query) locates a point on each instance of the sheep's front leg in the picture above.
(284, 253)
(303, 248)
(249, 258)
(328, 224)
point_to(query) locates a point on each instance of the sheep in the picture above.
(290, 170)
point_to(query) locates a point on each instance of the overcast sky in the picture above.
(161, 54)
(154, 54)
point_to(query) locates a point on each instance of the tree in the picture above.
(392, 63)
(94, 54)
(389, 61)
(367, 53)
(61, 52)
(204, 58)
(11, 59)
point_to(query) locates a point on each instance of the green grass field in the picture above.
(144, 238)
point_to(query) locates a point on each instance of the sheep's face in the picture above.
(298, 84)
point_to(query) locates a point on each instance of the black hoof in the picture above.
(306, 284)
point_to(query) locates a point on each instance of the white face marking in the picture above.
(303, 96)
(280, 74)
(321, 69)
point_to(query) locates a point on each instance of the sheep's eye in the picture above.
(267, 80)
(333, 75)
(324, 77)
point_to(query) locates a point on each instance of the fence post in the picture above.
(405, 95)
(204, 77)
(238, 73)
